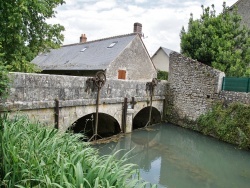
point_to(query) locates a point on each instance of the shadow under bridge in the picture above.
(107, 125)
(142, 117)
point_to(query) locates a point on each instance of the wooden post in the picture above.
(56, 113)
(133, 103)
(124, 114)
(95, 136)
(97, 112)
(150, 110)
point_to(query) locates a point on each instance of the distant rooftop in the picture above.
(166, 50)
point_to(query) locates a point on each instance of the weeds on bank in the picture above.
(32, 155)
(229, 123)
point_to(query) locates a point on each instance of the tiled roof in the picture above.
(92, 55)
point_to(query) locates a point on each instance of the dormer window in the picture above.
(82, 50)
(112, 44)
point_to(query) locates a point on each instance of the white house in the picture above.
(161, 59)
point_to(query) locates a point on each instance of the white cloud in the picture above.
(162, 20)
(140, 1)
(102, 5)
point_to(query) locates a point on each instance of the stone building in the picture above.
(243, 10)
(121, 57)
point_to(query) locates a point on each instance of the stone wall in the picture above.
(243, 7)
(193, 87)
(30, 91)
(230, 96)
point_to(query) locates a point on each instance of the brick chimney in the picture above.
(83, 38)
(138, 28)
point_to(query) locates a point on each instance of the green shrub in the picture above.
(4, 81)
(162, 75)
(228, 123)
(36, 156)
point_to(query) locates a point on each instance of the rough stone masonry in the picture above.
(193, 87)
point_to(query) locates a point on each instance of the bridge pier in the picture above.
(129, 121)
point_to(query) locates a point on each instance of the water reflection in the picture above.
(171, 156)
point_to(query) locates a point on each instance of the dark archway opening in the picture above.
(107, 126)
(141, 119)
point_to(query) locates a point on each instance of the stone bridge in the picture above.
(66, 102)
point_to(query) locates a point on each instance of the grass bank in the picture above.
(229, 123)
(32, 155)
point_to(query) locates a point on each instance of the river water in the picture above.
(174, 157)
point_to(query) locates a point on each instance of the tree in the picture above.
(218, 41)
(24, 31)
(4, 79)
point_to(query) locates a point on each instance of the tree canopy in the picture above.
(4, 79)
(219, 41)
(24, 31)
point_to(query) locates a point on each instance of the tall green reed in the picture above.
(33, 155)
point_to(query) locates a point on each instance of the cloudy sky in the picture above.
(161, 20)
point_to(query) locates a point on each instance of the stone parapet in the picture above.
(231, 96)
(26, 105)
(34, 91)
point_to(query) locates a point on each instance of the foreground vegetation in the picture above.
(228, 123)
(35, 156)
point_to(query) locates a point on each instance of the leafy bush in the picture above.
(35, 156)
(228, 123)
(4, 81)
(162, 75)
(228, 46)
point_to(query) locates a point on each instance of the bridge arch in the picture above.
(107, 125)
(141, 118)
